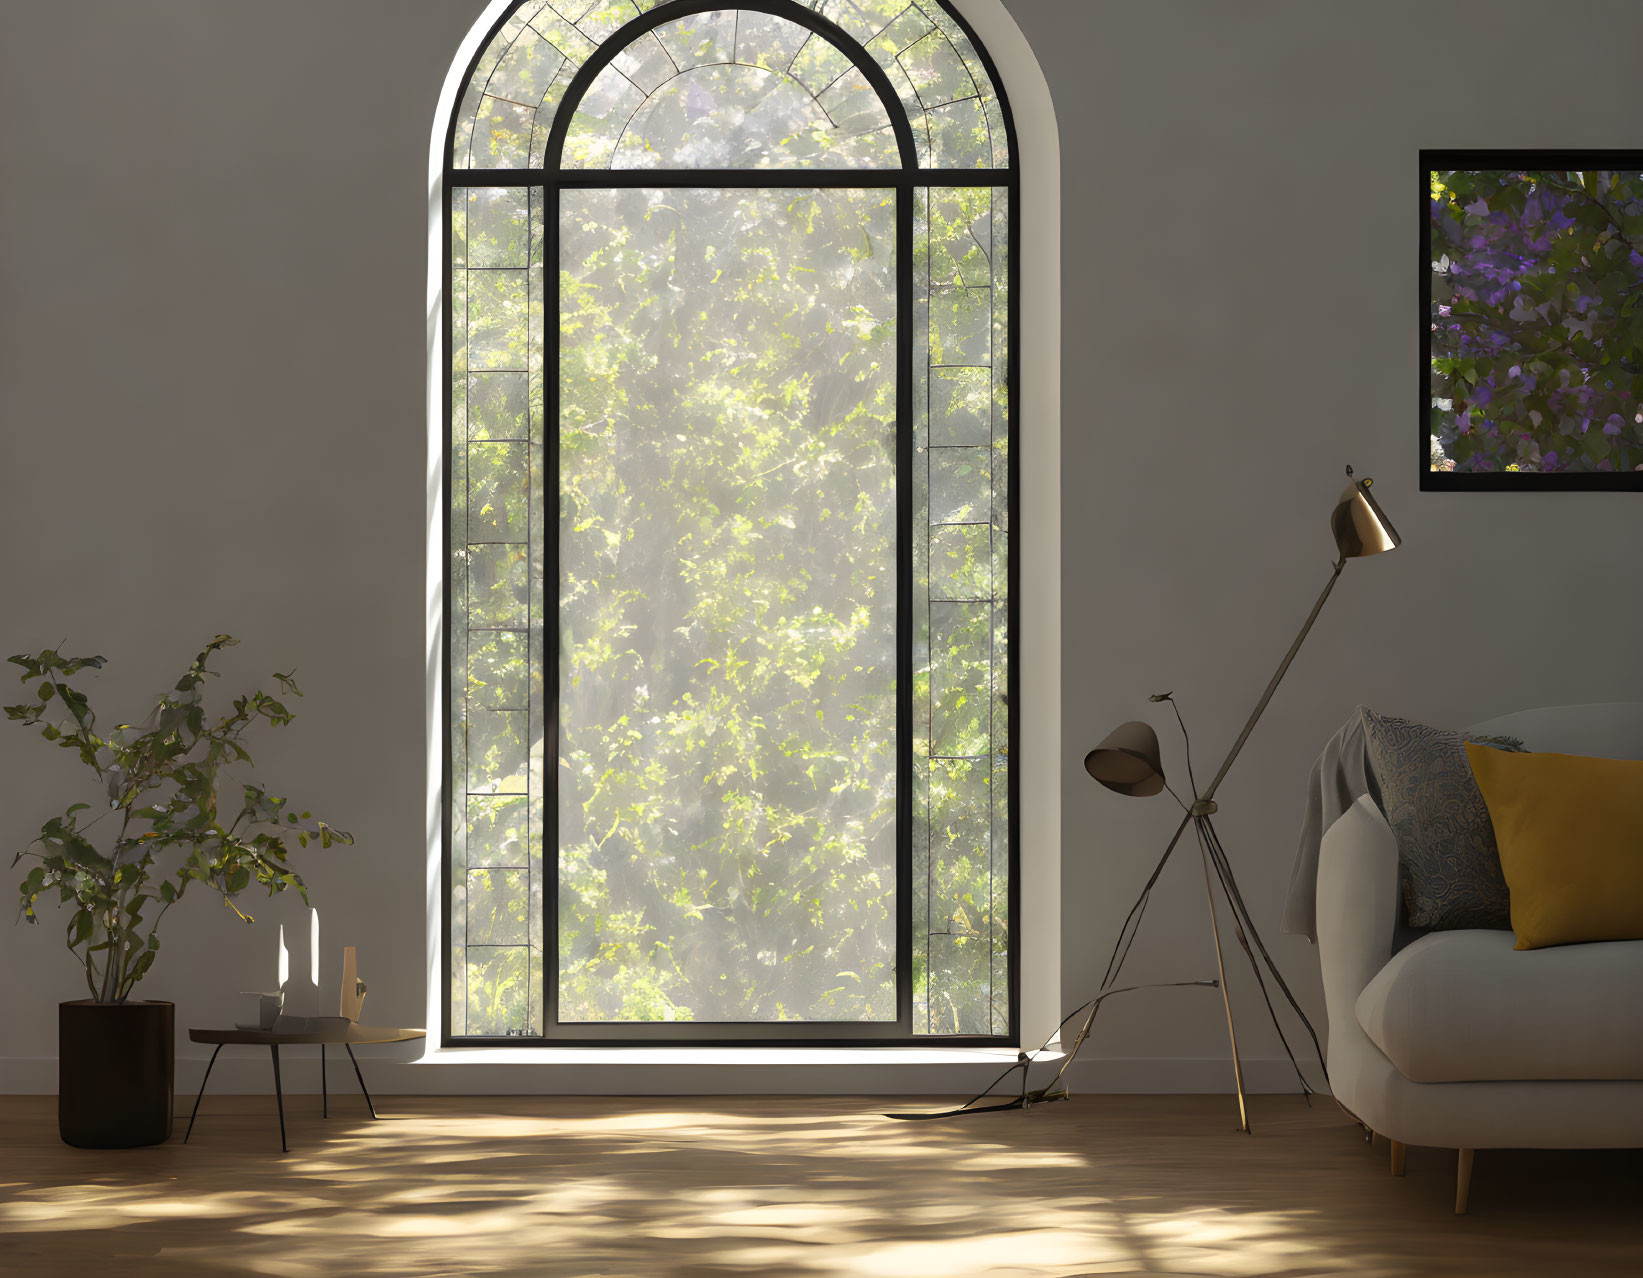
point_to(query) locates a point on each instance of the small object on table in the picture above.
(319, 1030)
(353, 989)
(269, 1006)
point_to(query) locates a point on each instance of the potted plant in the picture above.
(162, 829)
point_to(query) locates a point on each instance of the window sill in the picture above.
(875, 1057)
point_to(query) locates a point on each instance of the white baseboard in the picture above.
(1188, 1075)
(247, 1070)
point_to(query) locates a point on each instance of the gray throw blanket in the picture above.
(1340, 776)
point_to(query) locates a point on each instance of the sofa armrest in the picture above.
(1357, 912)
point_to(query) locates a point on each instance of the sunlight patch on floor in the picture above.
(758, 1188)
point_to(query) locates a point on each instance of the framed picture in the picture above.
(1532, 345)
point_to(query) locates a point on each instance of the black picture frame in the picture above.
(1433, 480)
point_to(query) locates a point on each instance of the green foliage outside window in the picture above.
(719, 457)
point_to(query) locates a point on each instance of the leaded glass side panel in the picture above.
(497, 635)
(961, 574)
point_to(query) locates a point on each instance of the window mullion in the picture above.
(905, 794)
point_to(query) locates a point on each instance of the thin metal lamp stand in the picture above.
(1129, 762)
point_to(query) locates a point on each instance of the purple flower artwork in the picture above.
(1534, 315)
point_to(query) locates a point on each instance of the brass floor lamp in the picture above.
(1129, 762)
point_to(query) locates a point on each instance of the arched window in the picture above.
(730, 586)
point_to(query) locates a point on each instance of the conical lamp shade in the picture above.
(1128, 761)
(1360, 525)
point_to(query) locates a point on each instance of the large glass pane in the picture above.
(727, 815)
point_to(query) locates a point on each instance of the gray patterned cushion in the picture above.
(1446, 844)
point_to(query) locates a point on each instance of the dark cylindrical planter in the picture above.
(116, 1063)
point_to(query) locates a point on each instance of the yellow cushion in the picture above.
(1570, 833)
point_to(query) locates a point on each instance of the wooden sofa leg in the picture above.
(1397, 1157)
(1463, 1181)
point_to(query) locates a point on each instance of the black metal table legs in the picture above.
(361, 1077)
(279, 1090)
(203, 1082)
(279, 1096)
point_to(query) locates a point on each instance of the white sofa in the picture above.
(1457, 1040)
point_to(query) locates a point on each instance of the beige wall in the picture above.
(212, 290)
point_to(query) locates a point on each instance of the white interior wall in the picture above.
(213, 241)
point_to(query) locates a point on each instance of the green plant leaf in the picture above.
(164, 774)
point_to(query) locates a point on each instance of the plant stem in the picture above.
(120, 842)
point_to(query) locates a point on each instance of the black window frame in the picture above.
(906, 180)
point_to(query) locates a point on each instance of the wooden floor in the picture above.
(801, 1186)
